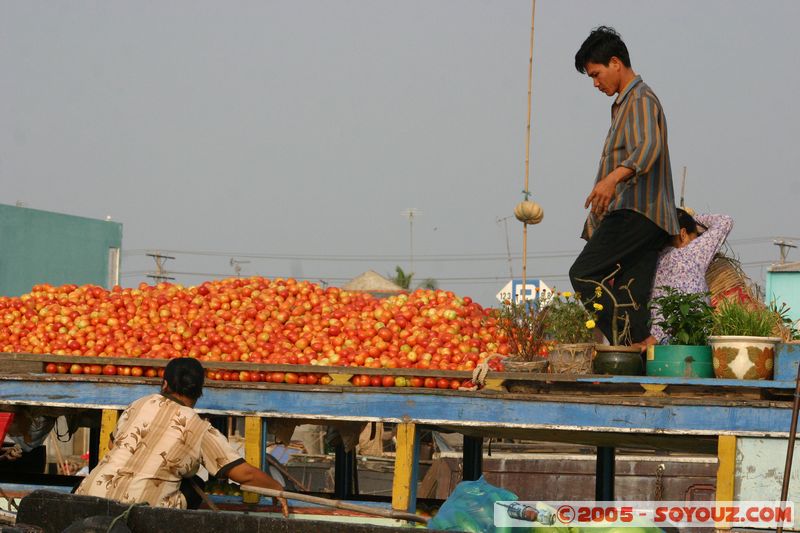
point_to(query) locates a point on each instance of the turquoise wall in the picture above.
(784, 287)
(44, 247)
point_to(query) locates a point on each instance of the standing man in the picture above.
(632, 202)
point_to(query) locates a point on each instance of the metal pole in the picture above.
(400, 515)
(411, 237)
(473, 458)
(604, 477)
(787, 469)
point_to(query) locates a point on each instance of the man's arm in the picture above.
(645, 148)
(246, 474)
(605, 189)
(644, 137)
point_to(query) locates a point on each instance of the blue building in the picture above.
(44, 247)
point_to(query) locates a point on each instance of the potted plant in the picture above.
(687, 319)
(523, 323)
(619, 357)
(570, 328)
(742, 341)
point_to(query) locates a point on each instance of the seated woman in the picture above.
(160, 442)
(683, 265)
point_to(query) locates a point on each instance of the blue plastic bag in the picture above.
(471, 508)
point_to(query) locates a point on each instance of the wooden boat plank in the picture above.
(54, 512)
(601, 412)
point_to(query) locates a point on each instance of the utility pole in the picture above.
(784, 245)
(410, 213)
(237, 266)
(504, 220)
(161, 273)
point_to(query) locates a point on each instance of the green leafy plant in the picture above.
(568, 321)
(790, 328)
(524, 324)
(686, 317)
(740, 319)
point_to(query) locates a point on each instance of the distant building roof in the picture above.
(371, 281)
(786, 267)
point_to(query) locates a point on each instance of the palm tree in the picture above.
(404, 279)
(428, 283)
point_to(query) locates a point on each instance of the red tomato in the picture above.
(443, 383)
(51, 368)
(430, 383)
(255, 320)
(387, 381)
(110, 370)
(75, 369)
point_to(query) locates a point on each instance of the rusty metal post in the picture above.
(787, 469)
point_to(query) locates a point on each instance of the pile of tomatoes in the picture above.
(258, 320)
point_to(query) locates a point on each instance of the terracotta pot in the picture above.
(738, 357)
(618, 360)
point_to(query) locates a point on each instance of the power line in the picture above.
(376, 258)
(451, 279)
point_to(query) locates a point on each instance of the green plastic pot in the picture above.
(680, 361)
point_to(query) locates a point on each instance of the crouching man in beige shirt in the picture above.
(159, 444)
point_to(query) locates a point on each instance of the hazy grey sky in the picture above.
(304, 128)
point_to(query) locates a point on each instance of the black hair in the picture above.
(185, 376)
(686, 221)
(600, 46)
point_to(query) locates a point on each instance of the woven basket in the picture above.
(512, 364)
(571, 358)
(726, 279)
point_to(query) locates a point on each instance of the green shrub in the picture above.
(686, 317)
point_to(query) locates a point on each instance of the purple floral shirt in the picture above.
(685, 268)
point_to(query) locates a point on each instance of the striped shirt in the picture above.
(637, 140)
(157, 443)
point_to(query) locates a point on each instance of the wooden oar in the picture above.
(338, 504)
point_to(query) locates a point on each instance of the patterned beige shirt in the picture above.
(157, 443)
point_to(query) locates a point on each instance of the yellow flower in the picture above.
(567, 294)
(598, 291)
(590, 324)
(597, 306)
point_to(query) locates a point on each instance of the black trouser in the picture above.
(193, 499)
(632, 241)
